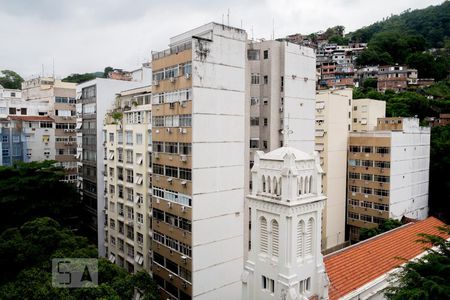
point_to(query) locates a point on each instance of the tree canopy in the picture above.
(425, 278)
(10, 80)
(25, 259)
(387, 225)
(30, 190)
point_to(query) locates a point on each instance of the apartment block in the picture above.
(333, 126)
(127, 175)
(94, 99)
(388, 173)
(198, 133)
(396, 78)
(60, 98)
(365, 114)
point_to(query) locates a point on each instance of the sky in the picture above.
(78, 36)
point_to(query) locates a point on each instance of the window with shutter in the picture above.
(308, 237)
(300, 229)
(275, 238)
(263, 235)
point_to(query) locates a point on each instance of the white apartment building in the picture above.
(94, 99)
(127, 153)
(333, 126)
(198, 135)
(388, 173)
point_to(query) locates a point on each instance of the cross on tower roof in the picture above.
(286, 132)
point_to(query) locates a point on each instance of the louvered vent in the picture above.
(275, 238)
(263, 235)
(300, 228)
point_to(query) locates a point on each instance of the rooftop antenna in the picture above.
(252, 34)
(286, 133)
(228, 17)
(223, 22)
(273, 28)
(241, 23)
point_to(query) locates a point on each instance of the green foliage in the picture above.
(439, 195)
(370, 83)
(371, 57)
(387, 225)
(428, 66)
(426, 278)
(79, 78)
(30, 190)
(106, 71)
(431, 23)
(339, 40)
(25, 257)
(10, 80)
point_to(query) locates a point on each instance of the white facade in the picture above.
(333, 125)
(218, 118)
(366, 113)
(286, 203)
(105, 96)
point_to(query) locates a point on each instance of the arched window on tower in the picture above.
(263, 236)
(300, 229)
(263, 184)
(275, 186)
(269, 190)
(300, 185)
(310, 184)
(275, 238)
(309, 237)
(279, 187)
(306, 185)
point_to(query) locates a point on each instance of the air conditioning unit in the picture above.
(183, 208)
(182, 103)
(169, 130)
(183, 158)
(156, 155)
(172, 79)
(169, 204)
(155, 82)
(170, 276)
(172, 105)
(187, 75)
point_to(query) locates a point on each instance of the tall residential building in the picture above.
(285, 260)
(127, 174)
(388, 173)
(94, 98)
(198, 134)
(333, 126)
(60, 98)
(280, 96)
(366, 113)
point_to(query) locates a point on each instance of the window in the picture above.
(171, 147)
(158, 121)
(254, 121)
(158, 169)
(158, 146)
(254, 78)
(185, 174)
(47, 125)
(382, 164)
(138, 139)
(185, 120)
(140, 218)
(381, 178)
(353, 202)
(382, 150)
(355, 149)
(366, 204)
(367, 177)
(129, 156)
(354, 189)
(265, 144)
(381, 206)
(366, 190)
(129, 137)
(380, 192)
(185, 148)
(266, 54)
(367, 163)
(366, 218)
(254, 100)
(120, 137)
(171, 171)
(12, 110)
(139, 238)
(266, 79)
(253, 54)
(254, 143)
(352, 175)
(352, 215)
(130, 176)
(266, 122)
(366, 149)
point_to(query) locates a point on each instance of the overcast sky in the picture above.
(88, 35)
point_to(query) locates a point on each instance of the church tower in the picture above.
(286, 205)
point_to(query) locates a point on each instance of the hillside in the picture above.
(431, 23)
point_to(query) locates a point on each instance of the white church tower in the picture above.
(286, 211)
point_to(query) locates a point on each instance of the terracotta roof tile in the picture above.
(355, 266)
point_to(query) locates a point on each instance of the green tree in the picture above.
(425, 278)
(424, 63)
(10, 80)
(370, 83)
(79, 78)
(388, 224)
(30, 190)
(106, 71)
(25, 260)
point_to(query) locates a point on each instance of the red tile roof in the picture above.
(31, 118)
(355, 266)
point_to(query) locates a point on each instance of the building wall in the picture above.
(218, 117)
(366, 112)
(334, 108)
